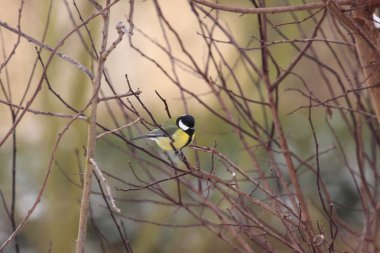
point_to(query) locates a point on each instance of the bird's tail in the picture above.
(139, 138)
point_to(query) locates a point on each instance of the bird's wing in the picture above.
(159, 133)
(155, 133)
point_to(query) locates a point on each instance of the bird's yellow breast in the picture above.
(180, 138)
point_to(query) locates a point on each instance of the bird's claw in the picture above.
(180, 154)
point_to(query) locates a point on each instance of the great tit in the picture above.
(182, 133)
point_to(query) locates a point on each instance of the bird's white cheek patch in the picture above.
(183, 126)
(376, 21)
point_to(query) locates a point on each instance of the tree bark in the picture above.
(367, 45)
(368, 54)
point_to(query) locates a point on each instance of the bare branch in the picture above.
(268, 10)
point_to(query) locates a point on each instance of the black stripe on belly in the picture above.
(190, 132)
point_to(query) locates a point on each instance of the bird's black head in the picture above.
(185, 122)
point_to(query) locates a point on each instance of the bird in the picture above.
(181, 132)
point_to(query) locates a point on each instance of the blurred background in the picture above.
(154, 224)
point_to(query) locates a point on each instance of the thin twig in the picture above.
(52, 114)
(267, 10)
(165, 103)
(53, 50)
(118, 129)
(108, 188)
(121, 30)
(128, 94)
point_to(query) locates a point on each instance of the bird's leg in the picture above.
(182, 157)
(180, 154)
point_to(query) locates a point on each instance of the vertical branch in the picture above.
(369, 56)
(366, 42)
(290, 165)
(14, 155)
(367, 47)
(13, 116)
(319, 181)
(304, 213)
(91, 137)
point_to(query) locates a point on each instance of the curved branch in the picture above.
(50, 49)
(268, 10)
